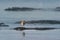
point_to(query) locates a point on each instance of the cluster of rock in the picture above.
(21, 9)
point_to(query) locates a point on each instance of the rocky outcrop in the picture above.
(23, 28)
(21, 9)
(41, 22)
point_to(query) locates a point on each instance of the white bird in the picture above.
(22, 22)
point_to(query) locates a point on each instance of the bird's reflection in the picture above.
(23, 34)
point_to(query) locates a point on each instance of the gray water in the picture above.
(10, 17)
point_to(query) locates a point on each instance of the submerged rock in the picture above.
(23, 28)
(41, 22)
(57, 9)
(3, 25)
(21, 9)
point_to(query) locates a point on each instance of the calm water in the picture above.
(10, 18)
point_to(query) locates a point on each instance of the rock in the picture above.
(57, 9)
(41, 22)
(3, 25)
(19, 28)
(23, 28)
(21, 9)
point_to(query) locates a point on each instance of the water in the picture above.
(9, 18)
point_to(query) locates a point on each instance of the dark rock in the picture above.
(41, 22)
(45, 28)
(23, 28)
(19, 28)
(21, 9)
(3, 25)
(57, 9)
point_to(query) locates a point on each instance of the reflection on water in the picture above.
(23, 34)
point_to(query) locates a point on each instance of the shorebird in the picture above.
(22, 22)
